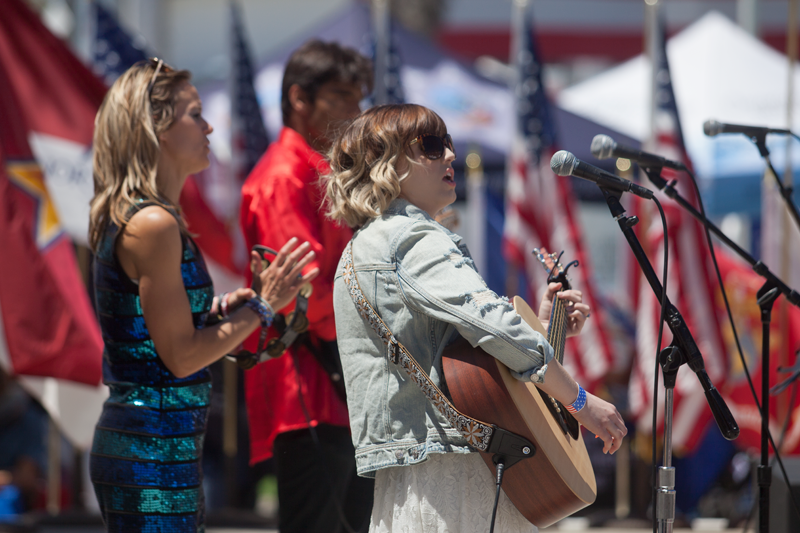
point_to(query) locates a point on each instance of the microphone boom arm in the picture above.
(654, 174)
(760, 140)
(681, 335)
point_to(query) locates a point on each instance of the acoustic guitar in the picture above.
(558, 479)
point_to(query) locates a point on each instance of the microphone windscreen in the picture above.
(603, 146)
(563, 163)
(711, 127)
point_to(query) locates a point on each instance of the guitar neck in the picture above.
(557, 328)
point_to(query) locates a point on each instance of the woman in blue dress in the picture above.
(153, 296)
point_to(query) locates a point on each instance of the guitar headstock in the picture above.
(556, 272)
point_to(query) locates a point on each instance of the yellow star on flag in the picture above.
(28, 176)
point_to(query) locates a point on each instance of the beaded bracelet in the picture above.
(265, 313)
(579, 402)
(262, 308)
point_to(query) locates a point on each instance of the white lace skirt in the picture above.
(448, 493)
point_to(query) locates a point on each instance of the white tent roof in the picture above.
(719, 72)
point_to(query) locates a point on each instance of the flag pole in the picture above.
(651, 50)
(381, 20)
(664, 493)
(475, 224)
(518, 20)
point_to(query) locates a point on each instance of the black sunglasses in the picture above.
(433, 146)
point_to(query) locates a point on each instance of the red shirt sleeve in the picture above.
(285, 204)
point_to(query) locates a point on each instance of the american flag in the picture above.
(249, 138)
(691, 284)
(114, 50)
(540, 211)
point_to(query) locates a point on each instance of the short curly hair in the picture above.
(364, 177)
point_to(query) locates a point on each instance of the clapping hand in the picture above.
(280, 282)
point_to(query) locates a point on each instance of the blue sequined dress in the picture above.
(146, 455)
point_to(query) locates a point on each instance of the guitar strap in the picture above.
(478, 434)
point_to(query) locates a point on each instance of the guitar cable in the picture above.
(500, 468)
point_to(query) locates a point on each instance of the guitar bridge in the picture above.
(564, 419)
(556, 404)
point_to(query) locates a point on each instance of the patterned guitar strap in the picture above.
(478, 434)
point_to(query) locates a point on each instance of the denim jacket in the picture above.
(421, 280)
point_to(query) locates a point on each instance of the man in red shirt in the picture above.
(296, 410)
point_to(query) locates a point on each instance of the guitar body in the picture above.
(558, 480)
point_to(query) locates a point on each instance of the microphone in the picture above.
(712, 128)
(604, 147)
(565, 163)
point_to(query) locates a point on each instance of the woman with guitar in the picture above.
(405, 289)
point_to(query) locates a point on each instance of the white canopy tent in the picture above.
(719, 72)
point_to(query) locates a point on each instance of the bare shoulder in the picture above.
(151, 237)
(152, 221)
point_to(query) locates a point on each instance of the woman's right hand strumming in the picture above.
(603, 419)
(280, 282)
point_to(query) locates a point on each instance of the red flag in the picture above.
(540, 213)
(691, 286)
(742, 284)
(47, 97)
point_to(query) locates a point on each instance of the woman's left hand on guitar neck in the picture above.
(577, 311)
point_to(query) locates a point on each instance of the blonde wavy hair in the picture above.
(134, 112)
(365, 159)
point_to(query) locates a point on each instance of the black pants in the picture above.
(317, 481)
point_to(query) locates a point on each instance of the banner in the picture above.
(48, 100)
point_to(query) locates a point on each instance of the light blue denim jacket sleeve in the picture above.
(438, 278)
(422, 282)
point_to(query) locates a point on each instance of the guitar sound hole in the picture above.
(565, 420)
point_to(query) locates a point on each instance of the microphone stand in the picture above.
(682, 350)
(766, 297)
(760, 140)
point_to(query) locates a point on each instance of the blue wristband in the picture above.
(579, 402)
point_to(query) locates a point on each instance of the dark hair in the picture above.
(316, 63)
